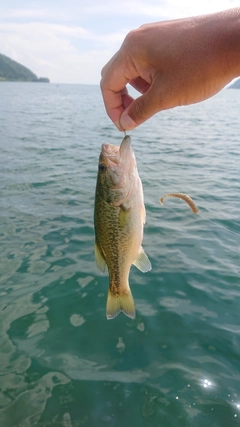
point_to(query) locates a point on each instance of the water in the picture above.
(61, 362)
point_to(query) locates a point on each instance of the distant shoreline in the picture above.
(40, 80)
(12, 71)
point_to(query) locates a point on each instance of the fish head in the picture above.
(117, 171)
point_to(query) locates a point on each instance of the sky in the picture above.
(69, 41)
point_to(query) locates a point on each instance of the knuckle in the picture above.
(131, 39)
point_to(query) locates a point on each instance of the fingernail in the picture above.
(126, 122)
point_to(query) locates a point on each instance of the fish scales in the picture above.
(115, 245)
(119, 218)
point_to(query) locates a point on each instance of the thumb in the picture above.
(140, 110)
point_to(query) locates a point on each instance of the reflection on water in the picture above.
(206, 384)
(62, 362)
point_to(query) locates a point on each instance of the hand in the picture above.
(171, 63)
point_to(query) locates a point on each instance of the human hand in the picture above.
(171, 63)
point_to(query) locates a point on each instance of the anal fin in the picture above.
(142, 262)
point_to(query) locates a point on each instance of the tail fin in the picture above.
(116, 303)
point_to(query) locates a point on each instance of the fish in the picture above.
(119, 218)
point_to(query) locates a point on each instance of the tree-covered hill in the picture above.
(14, 72)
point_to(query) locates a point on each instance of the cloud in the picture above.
(61, 52)
(71, 41)
(172, 9)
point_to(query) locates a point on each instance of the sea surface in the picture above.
(62, 363)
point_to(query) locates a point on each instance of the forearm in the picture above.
(230, 38)
(219, 35)
(203, 48)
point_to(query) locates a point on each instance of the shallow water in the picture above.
(61, 362)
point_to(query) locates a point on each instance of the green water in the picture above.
(62, 363)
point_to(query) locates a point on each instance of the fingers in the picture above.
(114, 91)
(125, 112)
(116, 74)
(119, 104)
(140, 84)
(141, 109)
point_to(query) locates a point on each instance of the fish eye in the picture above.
(102, 167)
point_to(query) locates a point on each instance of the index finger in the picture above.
(114, 91)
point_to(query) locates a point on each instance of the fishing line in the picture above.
(219, 225)
(192, 205)
(194, 208)
(196, 211)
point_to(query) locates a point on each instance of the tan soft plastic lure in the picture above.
(182, 196)
(194, 208)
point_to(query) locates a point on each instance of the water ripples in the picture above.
(62, 362)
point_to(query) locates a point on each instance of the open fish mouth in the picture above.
(113, 150)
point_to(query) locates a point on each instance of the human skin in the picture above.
(171, 63)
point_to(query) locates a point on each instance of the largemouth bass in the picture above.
(119, 217)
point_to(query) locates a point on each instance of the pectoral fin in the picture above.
(142, 262)
(123, 218)
(100, 259)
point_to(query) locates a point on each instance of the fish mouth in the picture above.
(113, 150)
(115, 154)
(110, 150)
(126, 141)
(126, 148)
